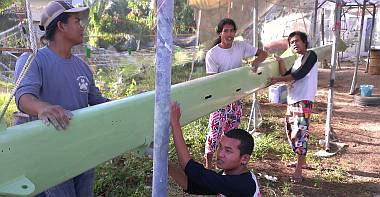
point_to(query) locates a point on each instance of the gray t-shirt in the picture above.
(58, 81)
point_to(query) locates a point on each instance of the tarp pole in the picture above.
(197, 43)
(323, 26)
(314, 41)
(162, 97)
(255, 42)
(355, 76)
(370, 37)
(338, 12)
(255, 19)
(198, 26)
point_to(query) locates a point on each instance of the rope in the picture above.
(29, 61)
(33, 42)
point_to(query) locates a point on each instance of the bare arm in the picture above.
(275, 80)
(281, 65)
(282, 70)
(261, 56)
(46, 112)
(178, 175)
(179, 142)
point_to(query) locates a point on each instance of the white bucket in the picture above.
(278, 93)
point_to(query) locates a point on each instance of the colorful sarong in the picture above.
(297, 125)
(220, 121)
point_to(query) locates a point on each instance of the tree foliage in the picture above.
(183, 18)
(8, 16)
(6, 4)
(111, 19)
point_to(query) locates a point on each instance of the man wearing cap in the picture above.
(58, 82)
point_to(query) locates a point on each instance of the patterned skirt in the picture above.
(220, 121)
(297, 125)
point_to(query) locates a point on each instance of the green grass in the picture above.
(317, 118)
(195, 137)
(286, 188)
(271, 143)
(262, 96)
(181, 56)
(126, 175)
(273, 139)
(11, 109)
(6, 86)
(335, 174)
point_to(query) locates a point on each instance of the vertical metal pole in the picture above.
(32, 32)
(370, 37)
(162, 97)
(255, 43)
(255, 19)
(255, 103)
(199, 25)
(323, 26)
(338, 11)
(197, 43)
(354, 78)
(338, 61)
(314, 41)
(229, 9)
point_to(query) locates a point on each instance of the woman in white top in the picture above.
(303, 76)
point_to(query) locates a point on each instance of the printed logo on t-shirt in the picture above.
(83, 83)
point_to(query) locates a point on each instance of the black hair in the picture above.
(219, 28)
(246, 140)
(52, 27)
(300, 34)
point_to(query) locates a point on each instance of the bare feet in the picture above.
(297, 176)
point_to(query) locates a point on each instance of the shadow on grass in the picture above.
(318, 187)
(365, 174)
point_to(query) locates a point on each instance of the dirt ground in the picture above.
(357, 126)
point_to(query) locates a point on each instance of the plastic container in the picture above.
(366, 90)
(278, 93)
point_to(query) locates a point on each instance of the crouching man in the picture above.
(233, 155)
